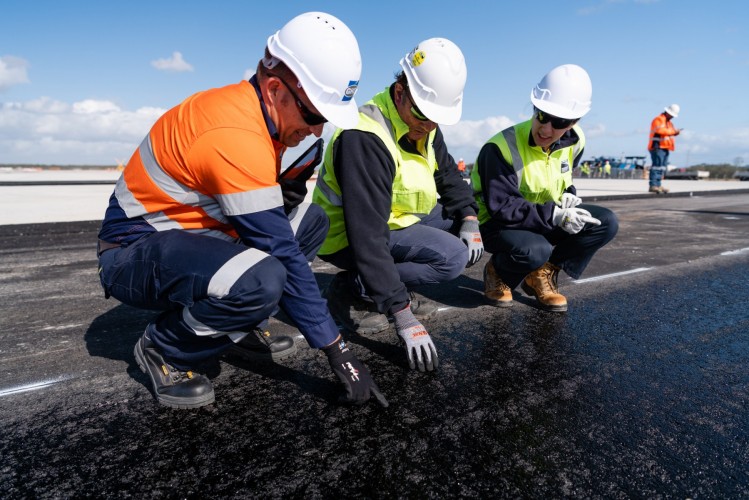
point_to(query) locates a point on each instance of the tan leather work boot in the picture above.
(542, 283)
(495, 290)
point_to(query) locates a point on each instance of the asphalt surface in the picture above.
(640, 390)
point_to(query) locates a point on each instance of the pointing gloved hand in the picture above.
(419, 344)
(293, 191)
(354, 375)
(569, 200)
(573, 219)
(471, 236)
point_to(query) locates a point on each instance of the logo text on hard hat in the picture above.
(418, 58)
(348, 94)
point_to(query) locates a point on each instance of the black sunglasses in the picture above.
(308, 116)
(557, 123)
(415, 111)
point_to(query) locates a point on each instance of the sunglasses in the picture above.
(308, 116)
(415, 111)
(557, 123)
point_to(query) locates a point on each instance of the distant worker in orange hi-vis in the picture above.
(202, 227)
(661, 143)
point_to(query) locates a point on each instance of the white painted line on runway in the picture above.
(613, 275)
(31, 387)
(733, 252)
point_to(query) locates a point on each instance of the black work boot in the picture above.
(421, 307)
(353, 312)
(172, 387)
(260, 345)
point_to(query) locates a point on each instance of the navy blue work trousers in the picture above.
(210, 292)
(517, 252)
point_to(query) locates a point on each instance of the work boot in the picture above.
(663, 190)
(422, 307)
(542, 283)
(655, 189)
(172, 387)
(260, 345)
(496, 292)
(353, 312)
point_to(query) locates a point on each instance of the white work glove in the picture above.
(419, 344)
(471, 236)
(569, 200)
(573, 219)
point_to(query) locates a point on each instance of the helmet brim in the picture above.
(343, 115)
(555, 109)
(442, 115)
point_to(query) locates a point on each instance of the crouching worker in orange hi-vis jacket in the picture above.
(201, 228)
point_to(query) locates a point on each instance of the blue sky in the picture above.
(82, 82)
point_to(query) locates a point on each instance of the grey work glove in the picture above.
(569, 200)
(572, 219)
(471, 236)
(294, 191)
(419, 345)
(353, 374)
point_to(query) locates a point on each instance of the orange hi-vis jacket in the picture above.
(210, 166)
(662, 133)
(196, 167)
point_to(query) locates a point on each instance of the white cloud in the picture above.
(175, 64)
(474, 133)
(465, 139)
(12, 72)
(86, 132)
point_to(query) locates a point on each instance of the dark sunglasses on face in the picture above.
(308, 116)
(557, 123)
(415, 111)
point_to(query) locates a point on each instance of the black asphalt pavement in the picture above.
(640, 390)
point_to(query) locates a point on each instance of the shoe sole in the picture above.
(499, 303)
(179, 403)
(256, 356)
(529, 291)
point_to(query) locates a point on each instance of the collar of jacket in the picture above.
(272, 130)
(400, 128)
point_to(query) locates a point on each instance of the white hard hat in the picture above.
(436, 74)
(565, 92)
(673, 110)
(323, 54)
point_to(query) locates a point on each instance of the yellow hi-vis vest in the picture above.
(542, 176)
(414, 189)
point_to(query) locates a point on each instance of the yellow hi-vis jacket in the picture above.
(542, 176)
(414, 187)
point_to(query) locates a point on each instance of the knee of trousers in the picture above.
(609, 223)
(456, 258)
(256, 292)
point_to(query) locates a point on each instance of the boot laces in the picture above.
(176, 376)
(550, 275)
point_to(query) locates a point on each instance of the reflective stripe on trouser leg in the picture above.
(219, 287)
(242, 293)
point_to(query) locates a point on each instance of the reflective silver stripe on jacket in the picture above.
(215, 207)
(517, 161)
(331, 195)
